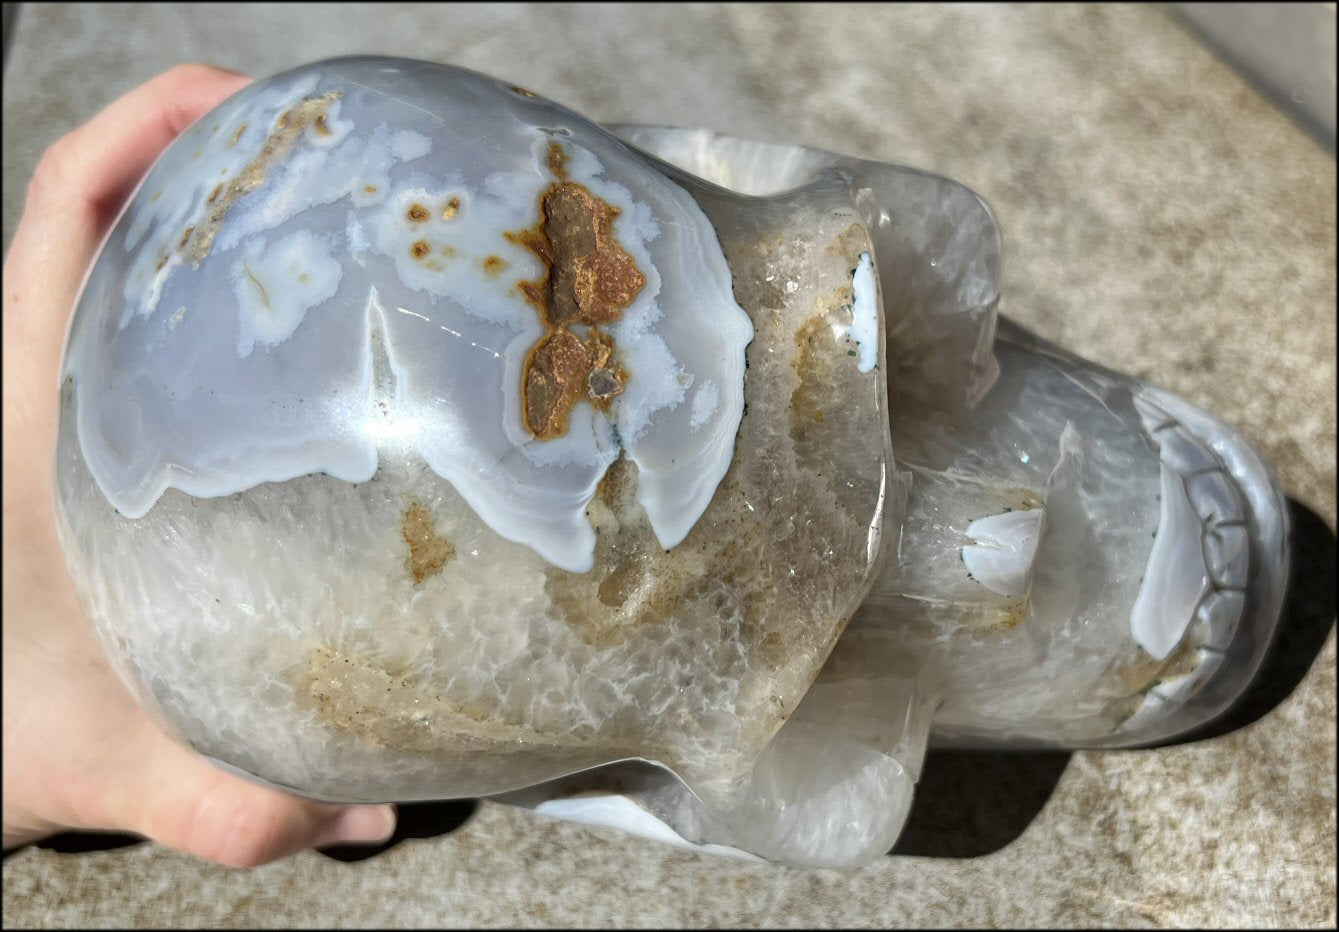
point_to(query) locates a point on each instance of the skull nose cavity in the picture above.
(1003, 550)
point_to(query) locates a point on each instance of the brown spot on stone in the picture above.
(1139, 675)
(1146, 672)
(818, 414)
(237, 135)
(383, 703)
(451, 209)
(264, 295)
(287, 128)
(319, 124)
(621, 583)
(428, 550)
(185, 238)
(557, 160)
(638, 588)
(991, 621)
(162, 261)
(370, 189)
(420, 249)
(638, 584)
(449, 251)
(850, 242)
(588, 280)
(604, 383)
(494, 266)
(517, 89)
(812, 342)
(555, 376)
(417, 213)
(1181, 662)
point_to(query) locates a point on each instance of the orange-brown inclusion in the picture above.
(277, 146)
(557, 161)
(428, 550)
(494, 265)
(451, 209)
(417, 213)
(588, 281)
(420, 249)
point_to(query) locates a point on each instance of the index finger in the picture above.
(100, 162)
(81, 181)
(77, 188)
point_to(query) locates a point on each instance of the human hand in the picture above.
(79, 751)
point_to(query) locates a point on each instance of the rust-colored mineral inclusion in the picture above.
(588, 281)
(428, 550)
(196, 241)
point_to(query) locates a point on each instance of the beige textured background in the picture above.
(1159, 216)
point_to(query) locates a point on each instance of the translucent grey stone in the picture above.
(422, 439)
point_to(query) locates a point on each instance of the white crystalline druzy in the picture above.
(318, 269)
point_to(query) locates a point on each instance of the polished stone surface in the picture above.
(1159, 217)
(348, 369)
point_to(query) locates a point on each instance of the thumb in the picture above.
(183, 802)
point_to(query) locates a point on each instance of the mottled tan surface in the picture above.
(1159, 217)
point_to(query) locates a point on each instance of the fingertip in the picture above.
(208, 69)
(240, 825)
(358, 825)
(191, 89)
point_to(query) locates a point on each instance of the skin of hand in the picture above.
(79, 751)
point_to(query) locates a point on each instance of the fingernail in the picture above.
(360, 825)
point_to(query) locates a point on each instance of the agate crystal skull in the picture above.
(422, 439)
